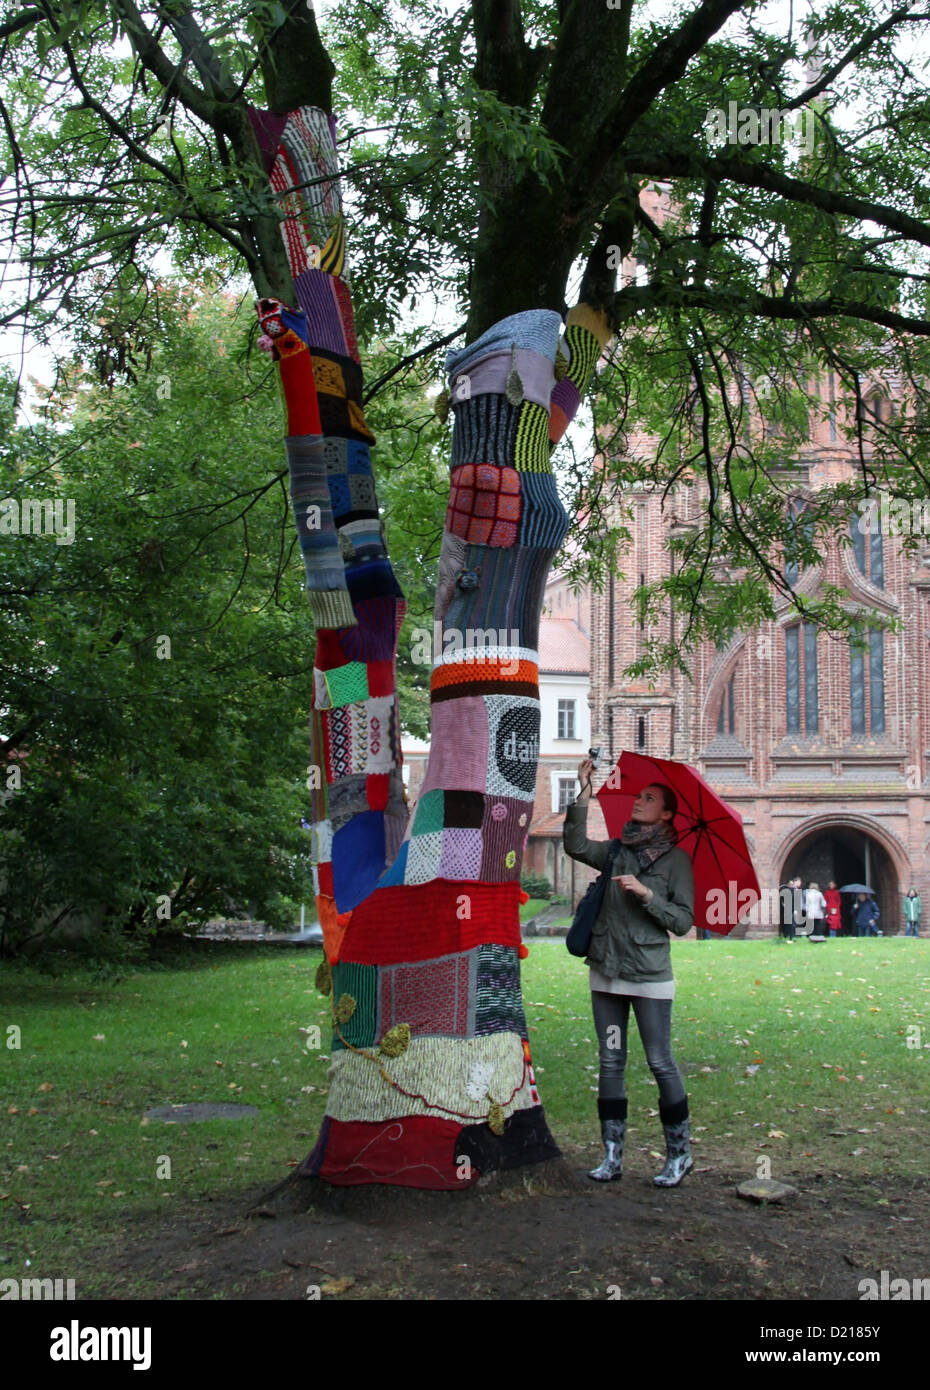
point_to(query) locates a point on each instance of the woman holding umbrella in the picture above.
(650, 894)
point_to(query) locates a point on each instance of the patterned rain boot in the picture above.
(678, 1159)
(613, 1132)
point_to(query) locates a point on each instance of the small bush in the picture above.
(536, 886)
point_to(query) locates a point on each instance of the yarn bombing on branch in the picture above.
(430, 1056)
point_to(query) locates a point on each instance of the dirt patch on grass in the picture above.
(544, 1232)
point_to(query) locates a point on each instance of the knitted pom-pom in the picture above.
(523, 951)
(496, 1118)
(441, 407)
(324, 977)
(396, 1040)
(345, 1008)
(524, 896)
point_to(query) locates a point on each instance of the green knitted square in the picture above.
(429, 813)
(531, 447)
(360, 982)
(347, 685)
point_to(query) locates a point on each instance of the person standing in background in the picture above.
(912, 910)
(815, 909)
(834, 902)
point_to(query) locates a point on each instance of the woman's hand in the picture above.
(632, 885)
(585, 773)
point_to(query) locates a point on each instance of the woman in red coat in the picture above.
(833, 900)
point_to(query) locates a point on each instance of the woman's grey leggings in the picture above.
(654, 1021)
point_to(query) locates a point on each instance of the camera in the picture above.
(595, 755)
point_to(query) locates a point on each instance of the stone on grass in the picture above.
(765, 1190)
(196, 1113)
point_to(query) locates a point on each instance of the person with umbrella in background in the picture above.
(650, 895)
(865, 915)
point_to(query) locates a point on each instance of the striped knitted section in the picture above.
(485, 431)
(531, 446)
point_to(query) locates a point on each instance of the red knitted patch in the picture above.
(303, 412)
(415, 1151)
(410, 922)
(380, 677)
(484, 504)
(377, 790)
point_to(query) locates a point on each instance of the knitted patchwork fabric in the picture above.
(431, 997)
(497, 1005)
(488, 376)
(456, 1077)
(411, 1151)
(442, 927)
(409, 923)
(305, 180)
(356, 601)
(504, 828)
(360, 984)
(484, 504)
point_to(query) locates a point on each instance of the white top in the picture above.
(646, 989)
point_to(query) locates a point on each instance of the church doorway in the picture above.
(847, 854)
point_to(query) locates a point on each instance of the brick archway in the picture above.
(833, 845)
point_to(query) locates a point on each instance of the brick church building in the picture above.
(823, 749)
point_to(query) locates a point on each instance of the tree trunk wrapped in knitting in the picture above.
(432, 1080)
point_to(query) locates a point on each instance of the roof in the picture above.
(563, 647)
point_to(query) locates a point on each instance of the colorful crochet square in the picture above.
(423, 853)
(428, 815)
(503, 835)
(360, 982)
(432, 996)
(458, 745)
(460, 855)
(339, 391)
(347, 685)
(497, 1006)
(402, 923)
(412, 1151)
(347, 456)
(345, 741)
(484, 504)
(545, 521)
(513, 732)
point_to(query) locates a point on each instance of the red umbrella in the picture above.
(710, 831)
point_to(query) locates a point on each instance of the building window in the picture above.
(566, 792)
(799, 530)
(867, 708)
(641, 731)
(801, 701)
(567, 719)
(867, 546)
(726, 720)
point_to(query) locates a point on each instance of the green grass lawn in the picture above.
(817, 1057)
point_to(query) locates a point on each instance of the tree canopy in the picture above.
(493, 156)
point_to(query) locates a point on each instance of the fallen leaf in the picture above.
(337, 1286)
(46, 1086)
